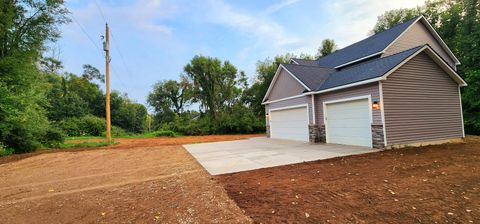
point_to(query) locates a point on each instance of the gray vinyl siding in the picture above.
(293, 102)
(285, 86)
(363, 90)
(421, 103)
(418, 34)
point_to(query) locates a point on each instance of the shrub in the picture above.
(86, 125)
(5, 151)
(53, 137)
(166, 133)
(116, 132)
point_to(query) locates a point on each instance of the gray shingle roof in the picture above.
(312, 77)
(368, 46)
(320, 78)
(368, 70)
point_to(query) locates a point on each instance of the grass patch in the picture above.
(68, 145)
(83, 137)
(160, 133)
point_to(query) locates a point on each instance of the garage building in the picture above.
(395, 88)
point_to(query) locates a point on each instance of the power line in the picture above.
(114, 40)
(97, 5)
(100, 10)
(97, 47)
(86, 34)
(120, 53)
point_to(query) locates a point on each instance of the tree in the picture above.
(265, 71)
(328, 47)
(170, 94)
(393, 17)
(25, 28)
(213, 83)
(91, 73)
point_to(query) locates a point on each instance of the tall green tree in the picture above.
(214, 83)
(26, 26)
(265, 71)
(328, 47)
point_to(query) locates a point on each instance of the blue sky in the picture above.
(154, 39)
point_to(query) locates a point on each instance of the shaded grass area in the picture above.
(68, 145)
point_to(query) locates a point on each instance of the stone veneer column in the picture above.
(267, 127)
(377, 136)
(313, 133)
(321, 134)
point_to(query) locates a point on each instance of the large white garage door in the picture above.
(349, 123)
(291, 124)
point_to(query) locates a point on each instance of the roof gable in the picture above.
(372, 46)
(288, 80)
(422, 32)
(370, 71)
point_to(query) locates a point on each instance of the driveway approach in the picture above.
(255, 153)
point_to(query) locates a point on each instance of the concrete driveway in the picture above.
(255, 153)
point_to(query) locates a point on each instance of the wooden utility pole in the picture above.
(106, 48)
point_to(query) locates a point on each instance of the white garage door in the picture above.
(349, 123)
(291, 124)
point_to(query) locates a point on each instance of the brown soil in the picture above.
(129, 143)
(136, 181)
(416, 185)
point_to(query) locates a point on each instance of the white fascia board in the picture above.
(439, 39)
(360, 59)
(295, 77)
(398, 37)
(293, 60)
(347, 86)
(277, 73)
(271, 83)
(437, 59)
(283, 99)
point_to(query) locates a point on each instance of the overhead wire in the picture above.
(97, 5)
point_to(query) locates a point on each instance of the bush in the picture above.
(472, 126)
(53, 137)
(5, 151)
(88, 125)
(167, 133)
(116, 132)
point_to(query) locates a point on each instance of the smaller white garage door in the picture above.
(349, 123)
(291, 124)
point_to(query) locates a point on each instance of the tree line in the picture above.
(40, 104)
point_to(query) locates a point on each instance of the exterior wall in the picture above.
(293, 102)
(368, 89)
(285, 86)
(417, 35)
(421, 103)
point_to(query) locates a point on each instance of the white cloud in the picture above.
(262, 28)
(353, 19)
(275, 7)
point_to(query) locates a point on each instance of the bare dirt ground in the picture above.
(432, 184)
(136, 181)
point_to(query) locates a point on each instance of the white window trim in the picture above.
(382, 110)
(313, 109)
(369, 97)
